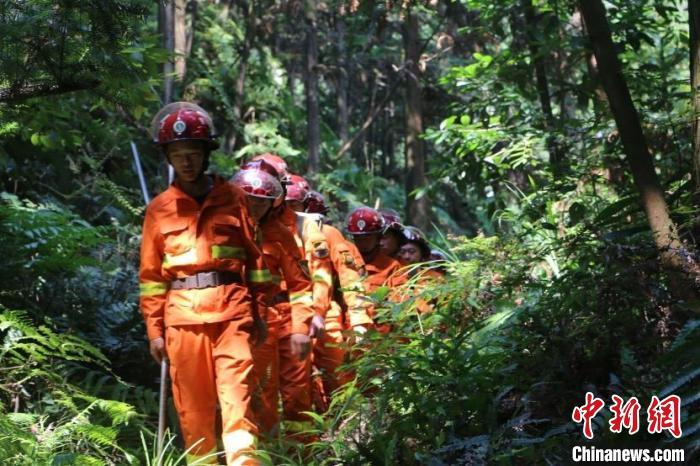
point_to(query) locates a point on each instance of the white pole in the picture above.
(139, 172)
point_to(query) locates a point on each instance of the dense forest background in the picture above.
(549, 147)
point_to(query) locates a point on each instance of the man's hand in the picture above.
(318, 327)
(157, 349)
(301, 345)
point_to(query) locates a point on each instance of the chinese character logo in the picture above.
(587, 412)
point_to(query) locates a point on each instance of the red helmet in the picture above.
(183, 121)
(392, 219)
(297, 189)
(365, 221)
(261, 165)
(277, 162)
(301, 181)
(258, 183)
(315, 203)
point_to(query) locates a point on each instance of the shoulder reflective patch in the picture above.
(188, 257)
(219, 251)
(153, 288)
(259, 276)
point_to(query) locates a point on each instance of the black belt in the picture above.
(205, 280)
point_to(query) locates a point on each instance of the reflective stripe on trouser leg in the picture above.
(194, 389)
(265, 397)
(329, 354)
(295, 382)
(233, 363)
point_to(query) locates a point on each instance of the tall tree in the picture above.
(342, 79)
(166, 26)
(633, 140)
(417, 207)
(180, 37)
(694, 38)
(311, 80)
(248, 11)
(542, 83)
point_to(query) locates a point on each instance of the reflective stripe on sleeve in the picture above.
(301, 297)
(323, 277)
(219, 251)
(153, 288)
(259, 276)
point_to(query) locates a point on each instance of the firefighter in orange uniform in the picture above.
(367, 226)
(280, 363)
(199, 309)
(345, 304)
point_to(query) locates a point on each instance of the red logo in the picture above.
(665, 415)
(625, 415)
(661, 415)
(587, 412)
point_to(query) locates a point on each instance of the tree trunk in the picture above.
(165, 27)
(180, 38)
(189, 42)
(342, 91)
(236, 131)
(417, 210)
(671, 250)
(311, 80)
(555, 156)
(694, 20)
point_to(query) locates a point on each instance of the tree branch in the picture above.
(14, 94)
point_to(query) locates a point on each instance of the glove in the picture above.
(317, 329)
(301, 345)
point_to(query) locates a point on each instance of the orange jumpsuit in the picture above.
(382, 270)
(291, 313)
(342, 303)
(207, 330)
(305, 230)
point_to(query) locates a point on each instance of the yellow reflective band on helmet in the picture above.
(323, 277)
(219, 251)
(206, 458)
(259, 276)
(301, 297)
(153, 288)
(188, 257)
